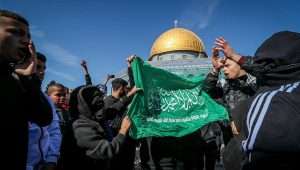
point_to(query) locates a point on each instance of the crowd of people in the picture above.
(85, 128)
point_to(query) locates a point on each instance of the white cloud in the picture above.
(61, 74)
(61, 55)
(198, 14)
(56, 52)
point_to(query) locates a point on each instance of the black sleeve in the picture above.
(88, 80)
(211, 86)
(130, 76)
(96, 145)
(114, 107)
(39, 110)
(239, 115)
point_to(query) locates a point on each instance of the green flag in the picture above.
(169, 105)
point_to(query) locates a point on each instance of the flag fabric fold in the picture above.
(168, 104)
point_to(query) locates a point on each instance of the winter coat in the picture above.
(44, 143)
(232, 91)
(91, 131)
(21, 101)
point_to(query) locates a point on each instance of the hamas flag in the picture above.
(169, 105)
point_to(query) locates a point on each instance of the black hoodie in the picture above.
(90, 130)
(269, 120)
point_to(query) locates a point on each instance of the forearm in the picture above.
(39, 109)
(119, 105)
(106, 149)
(130, 76)
(210, 85)
(90, 137)
(88, 79)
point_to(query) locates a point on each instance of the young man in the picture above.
(21, 96)
(238, 86)
(117, 104)
(44, 142)
(118, 101)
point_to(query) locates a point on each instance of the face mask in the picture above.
(94, 98)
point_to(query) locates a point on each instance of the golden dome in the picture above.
(177, 39)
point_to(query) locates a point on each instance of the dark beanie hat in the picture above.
(281, 48)
(277, 60)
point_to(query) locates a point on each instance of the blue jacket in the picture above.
(44, 142)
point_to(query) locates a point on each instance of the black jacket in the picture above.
(230, 95)
(116, 109)
(91, 133)
(267, 123)
(232, 92)
(277, 60)
(21, 101)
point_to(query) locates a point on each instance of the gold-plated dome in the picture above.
(176, 39)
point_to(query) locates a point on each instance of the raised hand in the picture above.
(223, 45)
(133, 91)
(83, 63)
(110, 76)
(29, 66)
(130, 59)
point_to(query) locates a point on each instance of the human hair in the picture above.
(10, 14)
(41, 57)
(117, 83)
(51, 84)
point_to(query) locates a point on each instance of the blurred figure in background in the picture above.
(57, 93)
(88, 79)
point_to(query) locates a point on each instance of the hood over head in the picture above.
(90, 102)
(277, 60)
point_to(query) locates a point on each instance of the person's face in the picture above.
(58, 95)
(14, 39)
(40, 69)
(94, 98)
(231, 69)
